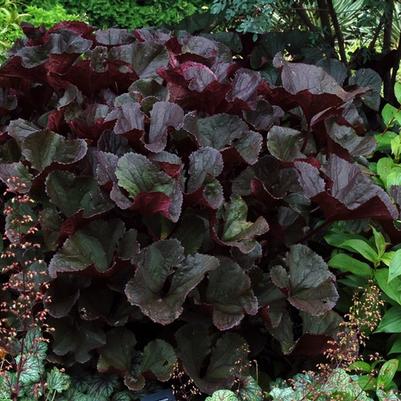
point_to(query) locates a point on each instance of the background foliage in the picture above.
(134, 14)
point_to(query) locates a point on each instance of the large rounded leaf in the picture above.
(217, 360)
(312, 286)
(92, 246)
(44, 148)
(229, 291)
(118, 351)
(72, 194)
(165, 260)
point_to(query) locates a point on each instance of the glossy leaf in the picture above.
(395, 266)
(391, 321)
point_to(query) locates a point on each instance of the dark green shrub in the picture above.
(133, 14)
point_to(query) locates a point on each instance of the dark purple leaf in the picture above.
(159, 262)
(229, 291)
(164, 115)
(195, 347)
(72, 194)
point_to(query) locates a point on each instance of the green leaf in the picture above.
(122, 396)
(336, 239)
(101, 386)
(394, 177)
(326, 324)
(34, 343)
(387, 395)
(15, 227)
(21, 129)
(396, 147)
(384, 141)
(391, 289)
(387, 373)
(222, 395)
(341, 385)
(360, 366)
(237, 230)
(367, 382)
(249, 147)
(346, 263)
(137, 174)
(32, 356)
(387, 258)
(395, 266)
(50, 224)
(213, 193)
(396, 345)
(391, 321)
(397, 91)
(384, 167)
(362, 248)
(250, 390)
(74, 394)
(5, 386)
(390, 114)
(57, 381)
(32, 369)
(380, 242)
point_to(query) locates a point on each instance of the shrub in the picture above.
(133, 14)
(179, 194)
(38, 16)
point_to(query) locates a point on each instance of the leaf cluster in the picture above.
(179, 180)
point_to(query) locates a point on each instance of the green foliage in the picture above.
(37, 380)
(28, 371)
(222, 395)
(339, 385)
(131, 14)
(38, 16)
(249, 391)
(356, 18)
(57, 381)
(246, 15)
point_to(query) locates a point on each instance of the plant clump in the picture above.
(178, 187)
